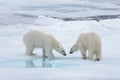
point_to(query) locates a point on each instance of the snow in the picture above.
(36, 14)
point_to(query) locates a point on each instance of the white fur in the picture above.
(88, 41)
(37, 39)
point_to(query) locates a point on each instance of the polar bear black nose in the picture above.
(64, 54)
(71, 52)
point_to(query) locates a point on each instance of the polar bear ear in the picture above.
(57, 47)
(75, 46)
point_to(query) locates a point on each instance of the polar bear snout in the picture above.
(71, 52)
(64, 53)
(73, 49)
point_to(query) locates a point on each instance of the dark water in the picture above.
(95, 18)
(17, 18)
(61, 9)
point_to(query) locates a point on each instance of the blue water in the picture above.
(39, 63)
(25, 63)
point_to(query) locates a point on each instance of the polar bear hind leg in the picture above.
(29, 51)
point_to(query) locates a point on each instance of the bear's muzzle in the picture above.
(64, 53)
(70, 52)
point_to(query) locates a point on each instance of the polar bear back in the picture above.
(37, 38)
(89, 40)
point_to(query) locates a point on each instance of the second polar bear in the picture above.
(36, 39)
(88, 41)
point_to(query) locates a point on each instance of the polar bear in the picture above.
(36, 39)
(88, 41)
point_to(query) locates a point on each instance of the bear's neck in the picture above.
(55, 43)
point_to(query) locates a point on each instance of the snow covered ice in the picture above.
(19, 16)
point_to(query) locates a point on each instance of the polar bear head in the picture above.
(74, 49)
(60, 49)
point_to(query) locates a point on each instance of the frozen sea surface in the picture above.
(19, 17)
(25, 12)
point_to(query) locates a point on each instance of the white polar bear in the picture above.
(37, 39)
(88, 41)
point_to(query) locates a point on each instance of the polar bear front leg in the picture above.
(44, 54)
(49, 53)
